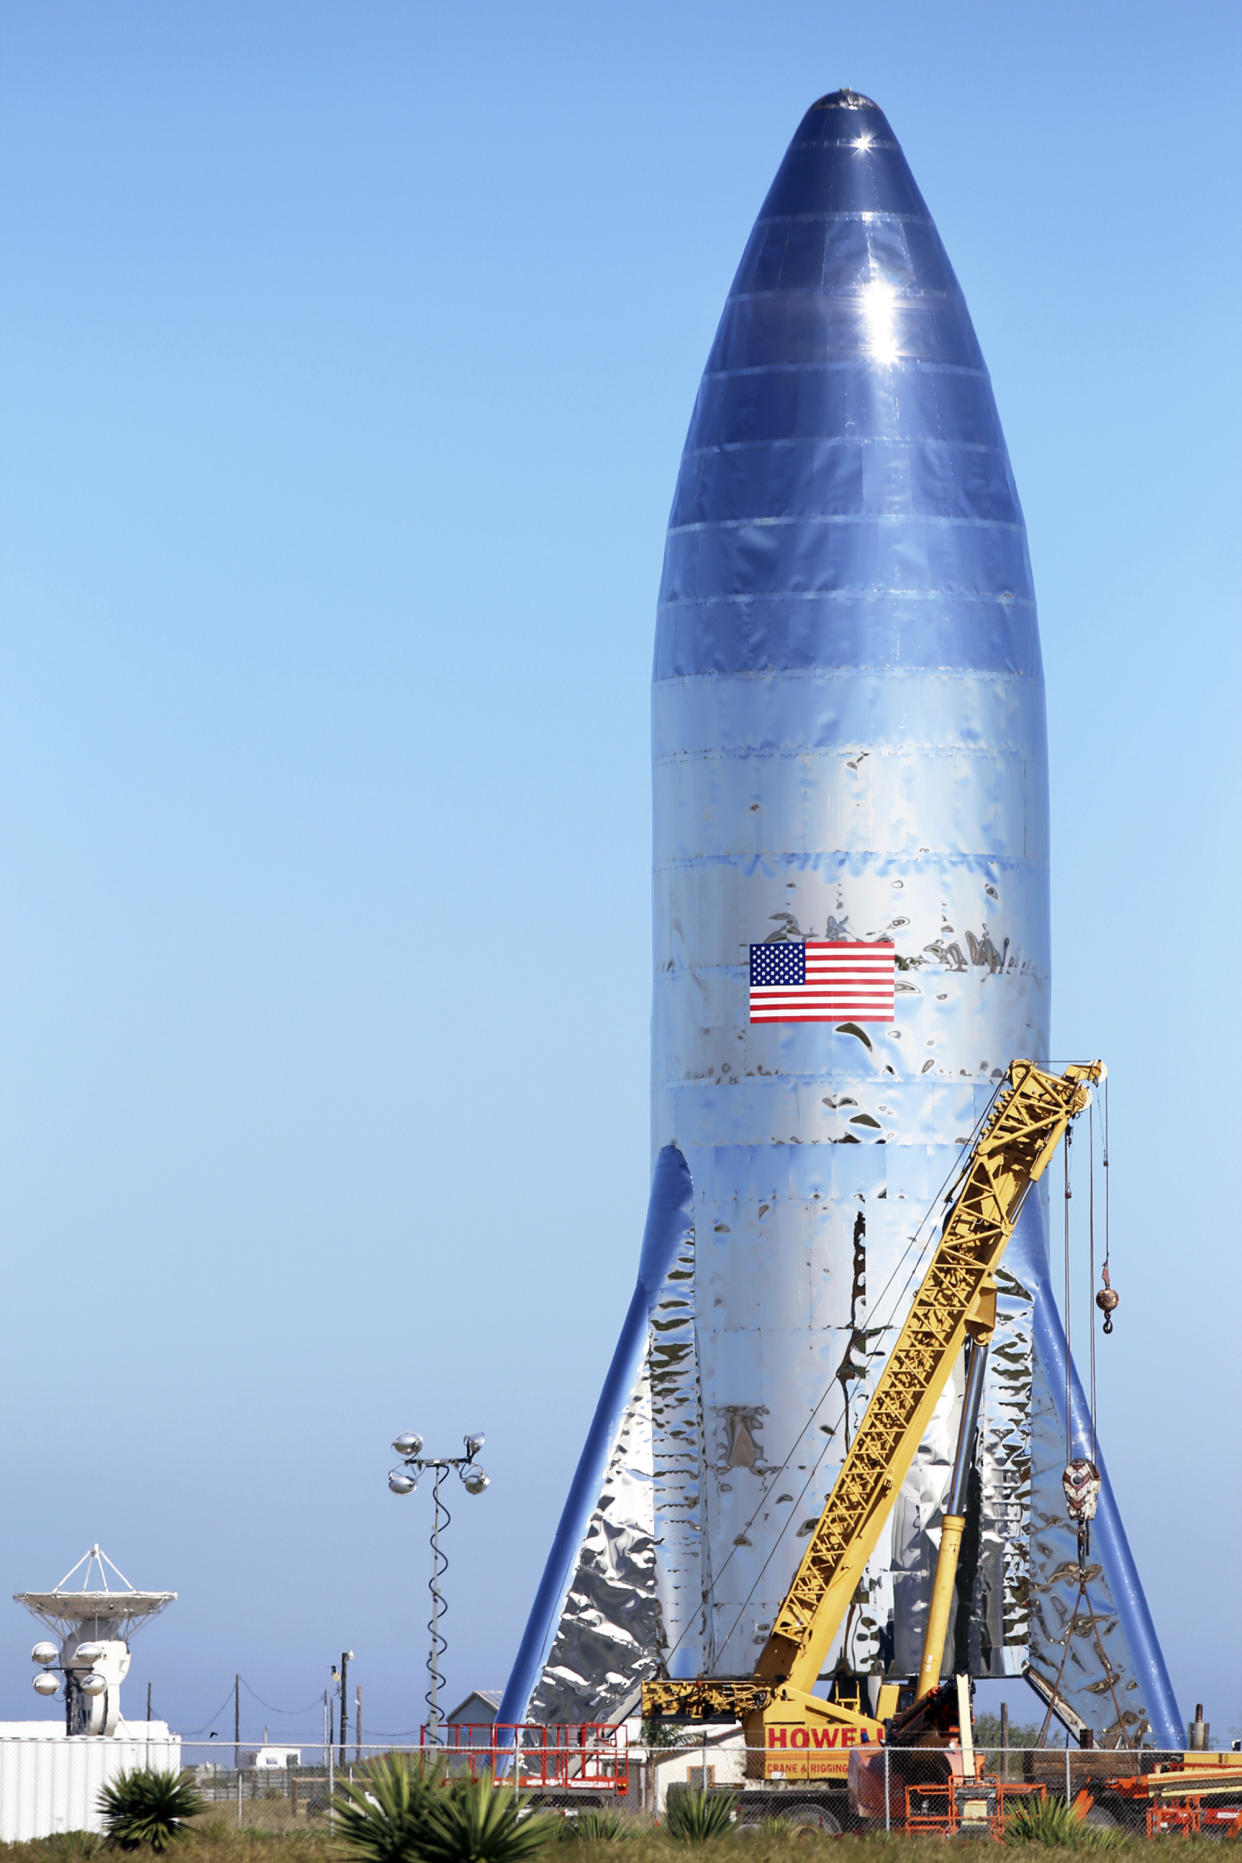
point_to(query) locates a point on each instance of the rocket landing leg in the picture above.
(621, 1593)
(625, 1591)
(1113, 1673)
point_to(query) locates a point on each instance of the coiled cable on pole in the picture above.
(438, 1643)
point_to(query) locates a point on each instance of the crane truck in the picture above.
(792, 1733)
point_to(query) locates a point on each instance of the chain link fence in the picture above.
(273, 1788)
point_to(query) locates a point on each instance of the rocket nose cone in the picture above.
(844, 157)
(844, 100)
(848, 120)
(845, 495)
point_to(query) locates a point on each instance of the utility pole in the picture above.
(236, 1723)
(358, 1725)
(345, 1656)
(148, 1702)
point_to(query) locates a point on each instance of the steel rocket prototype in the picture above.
(848, 747)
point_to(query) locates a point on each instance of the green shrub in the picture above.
(482, 1823)
(381, 1813)
(1052, 1822)
(594, 1827)
(693, 1817)
(148, 1808)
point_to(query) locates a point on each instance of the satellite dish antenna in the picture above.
(94, 1612)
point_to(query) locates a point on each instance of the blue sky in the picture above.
(349, 351)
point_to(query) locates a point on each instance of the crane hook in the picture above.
(1107, 1300)
(1081, 1486)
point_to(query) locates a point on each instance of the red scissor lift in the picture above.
(577, 1758)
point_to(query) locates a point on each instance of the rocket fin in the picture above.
(1026, 1602)
(1019, 1565)
(1099, 1639)
(622, 1582)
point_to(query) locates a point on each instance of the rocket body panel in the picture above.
(848, 744)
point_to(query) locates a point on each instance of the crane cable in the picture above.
(1066, 1309)
(1073, 1625)
(1091, 1288)
(1110, 1674)
(1106, 1299)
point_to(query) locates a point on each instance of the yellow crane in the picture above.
(790, 1731)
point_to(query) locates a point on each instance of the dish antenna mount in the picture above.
(94, 1611)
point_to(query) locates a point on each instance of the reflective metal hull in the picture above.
(848, 744)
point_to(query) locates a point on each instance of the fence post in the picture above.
(331, 1790)
(888, 1822)
(239, 1799)
(1069, 1796)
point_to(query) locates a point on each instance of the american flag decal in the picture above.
(815, 982)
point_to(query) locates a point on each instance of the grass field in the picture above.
(214, 1841)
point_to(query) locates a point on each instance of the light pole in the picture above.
(404, 1480)
(82, 1683)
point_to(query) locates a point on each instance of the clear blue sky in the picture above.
(348, 354)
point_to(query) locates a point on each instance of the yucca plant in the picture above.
(594, 1827)
(1050, 1821)
(148, 1809)
(693, 1817)
(482, 1823)
(381, 1813)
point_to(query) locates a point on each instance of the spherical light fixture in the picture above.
(44, 1653)
(86, 1655)
(404, 1480)
(45, 1683)
(92, 1684)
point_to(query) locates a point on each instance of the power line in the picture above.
(214, 1717)
(272, 1709)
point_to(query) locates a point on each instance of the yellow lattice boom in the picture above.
(957, 1298)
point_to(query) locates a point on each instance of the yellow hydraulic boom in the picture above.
(801, 1734)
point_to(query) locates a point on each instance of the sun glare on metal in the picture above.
(879, 300)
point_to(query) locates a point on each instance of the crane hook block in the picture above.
(1081, 1486)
